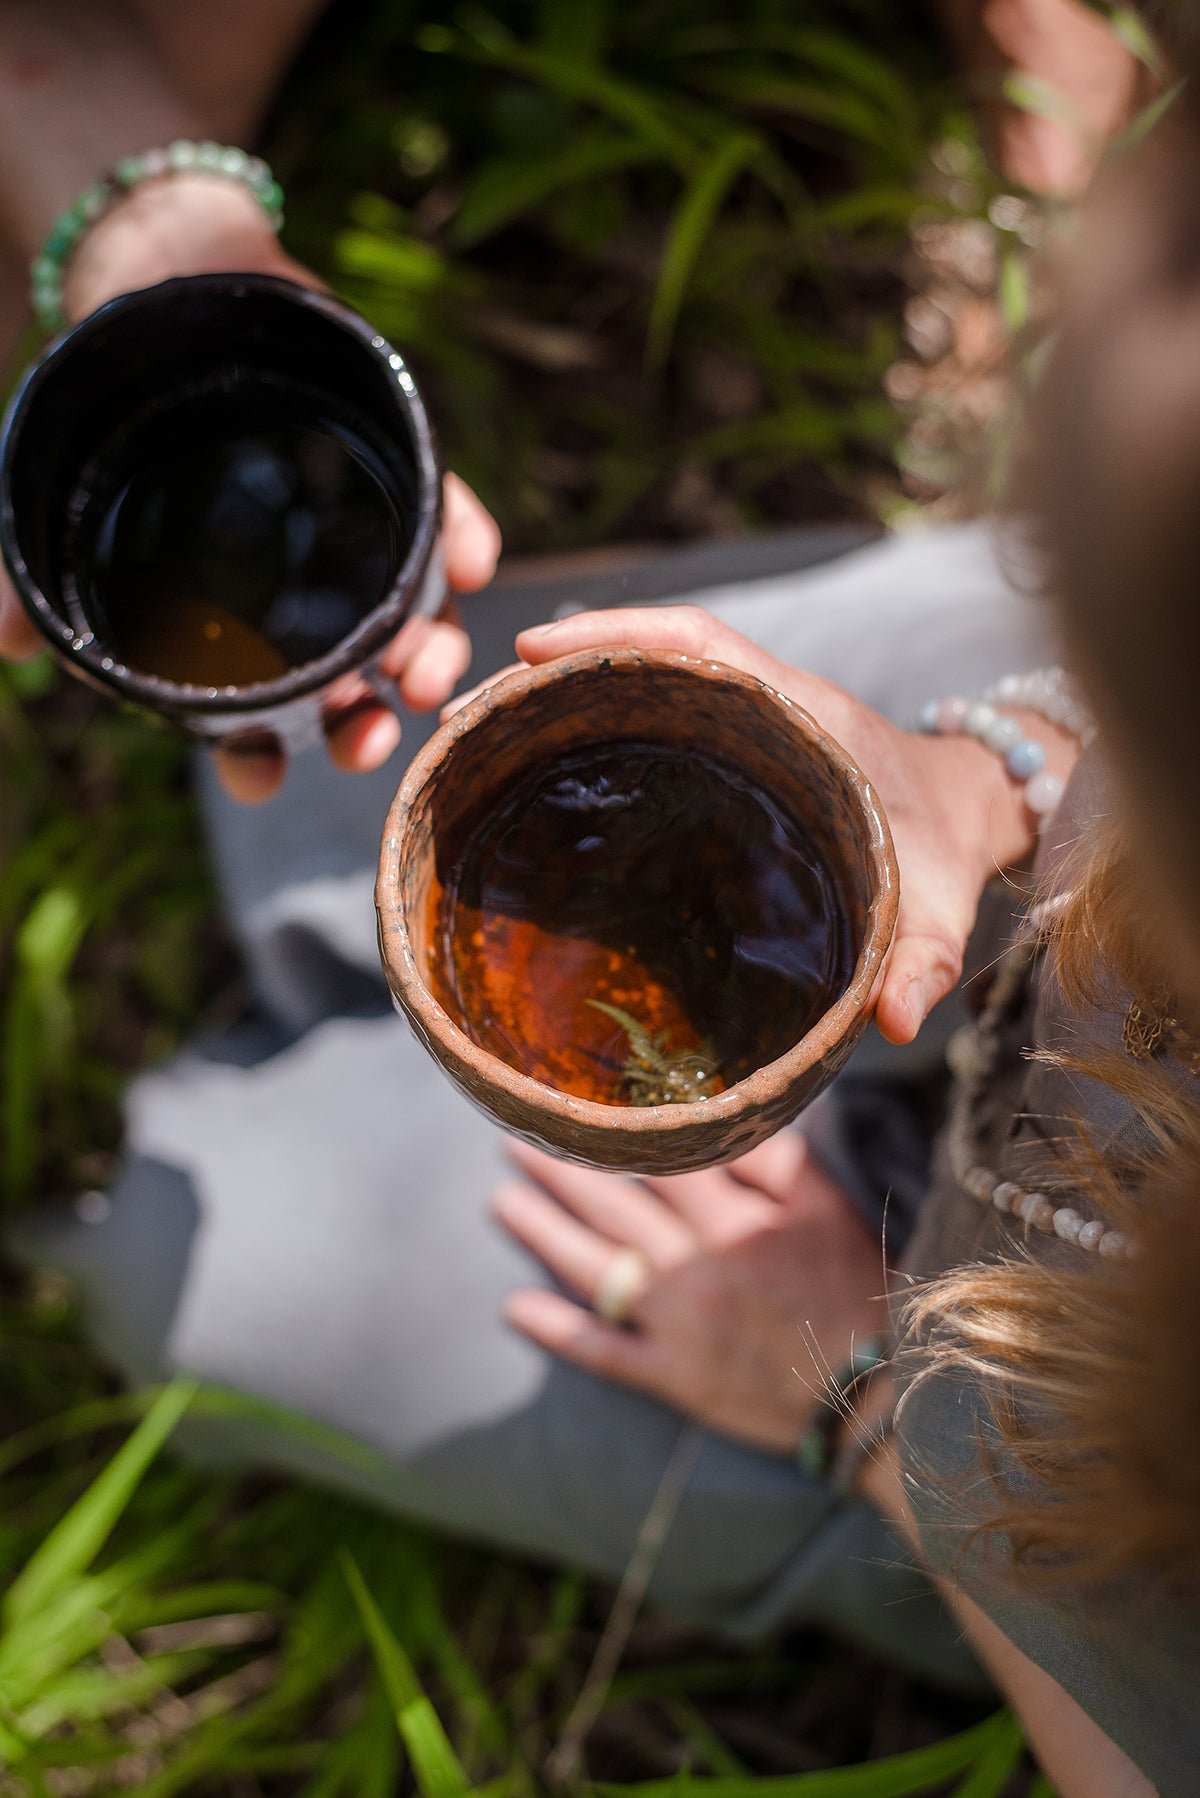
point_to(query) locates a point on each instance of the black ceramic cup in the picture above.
(218, 497)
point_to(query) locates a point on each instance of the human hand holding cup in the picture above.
(635, 903)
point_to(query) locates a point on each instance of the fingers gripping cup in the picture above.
(636, 905)
(220, 496)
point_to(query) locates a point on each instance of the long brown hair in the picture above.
(1092, 1373)
(1093, 1376)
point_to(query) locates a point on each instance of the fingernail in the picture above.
(914, 1002)
(380, 740)
(541, 630)
(251, 777)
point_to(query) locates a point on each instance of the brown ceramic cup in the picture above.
(705, 709)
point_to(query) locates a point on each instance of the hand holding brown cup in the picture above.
(612, 967)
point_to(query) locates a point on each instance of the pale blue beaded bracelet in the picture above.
(180, 158)
(1049, 691)
(1024, 758)
(1046, 690)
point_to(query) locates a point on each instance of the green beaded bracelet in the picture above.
(180, 158)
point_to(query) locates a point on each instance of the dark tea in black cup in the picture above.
(220, 495)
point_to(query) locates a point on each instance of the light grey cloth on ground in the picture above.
(302, 1213)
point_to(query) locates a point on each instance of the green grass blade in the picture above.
(843, 56)
(480, 1721)
(73, 1619)
(879, 207)
(690, 226)
(73, 1544)
(839, 61)
(436, 1767)
(811, 429)
(324, 1634)
(67, 1627)
(900, 1776)
(1014, 292)
(404, 262)
(80, 1420)
(1147, 120)
(23, 1028)
(820, 103)
(1030, 93)
(989, 1776)
(577, 31)
(94, 1692)
(629, 105)
(49, 938)
(508, 186)
(195, 1604)
(12, 1747)
(704, 1746)
(363, 1763)
(550, 1646)
(1131, 28)
(335, 1444)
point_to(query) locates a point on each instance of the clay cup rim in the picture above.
(524, 1095)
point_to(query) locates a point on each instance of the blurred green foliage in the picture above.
(106, 932)
(646, 259)
(162, 1636)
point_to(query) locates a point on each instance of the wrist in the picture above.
(81, 85)
(178, 224)
(1005, 828)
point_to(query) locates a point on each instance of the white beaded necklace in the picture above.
(974, 1054)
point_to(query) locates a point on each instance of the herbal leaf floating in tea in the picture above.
(654, 1074)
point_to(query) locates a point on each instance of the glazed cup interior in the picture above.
(702, 712)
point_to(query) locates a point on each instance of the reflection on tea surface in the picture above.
(236, 533)
(632, 908)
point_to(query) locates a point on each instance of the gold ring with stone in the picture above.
(624, 1281)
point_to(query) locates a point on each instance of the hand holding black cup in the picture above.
(220, 499)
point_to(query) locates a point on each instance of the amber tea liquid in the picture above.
(657, 881)
(234, 533)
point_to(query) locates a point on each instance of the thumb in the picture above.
(923, 967)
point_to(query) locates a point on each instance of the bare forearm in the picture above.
(1075, 1754)
(85, 82)
(227, 57)
(81, 85)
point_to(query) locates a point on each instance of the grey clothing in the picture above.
(302, 1213)
(1130, 1657)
